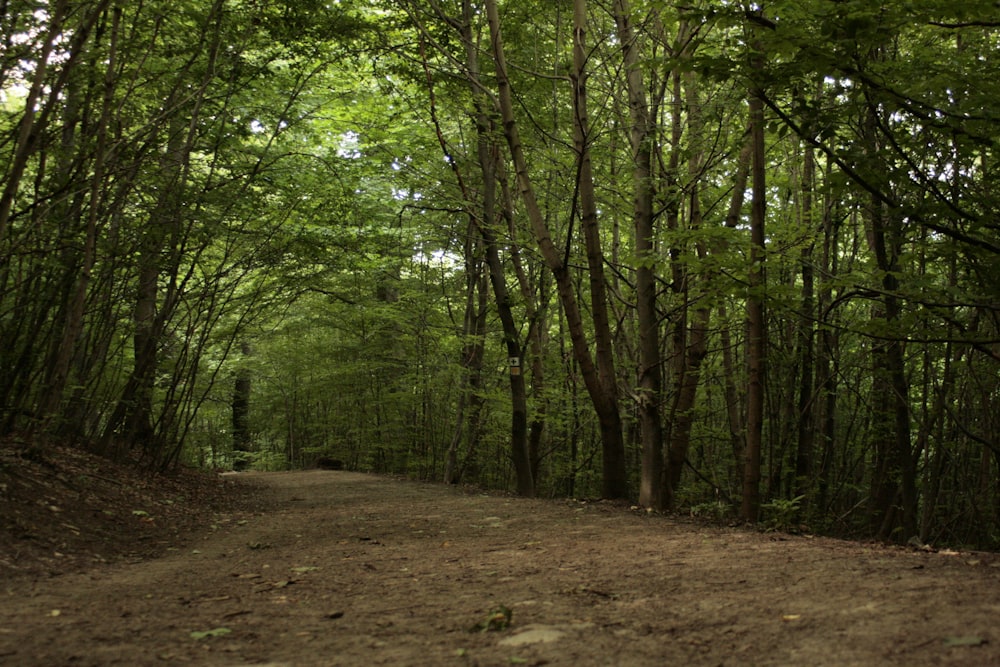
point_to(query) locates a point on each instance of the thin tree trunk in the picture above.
(242, 386)
(650, 374)
(894, 480)
(472, 356)
(692, 334)
(734, 401)
(894, 476)
(605, 403)
(488, 159)
(74, 326)
(160, 252)
(484, 222)
(615, 482)
(806, 422)
(756, 326)
(535, 312)
(826, 373)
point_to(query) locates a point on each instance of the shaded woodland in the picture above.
(734, 259)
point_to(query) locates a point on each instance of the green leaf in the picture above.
(499, 618)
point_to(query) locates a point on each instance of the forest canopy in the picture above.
(731, 258)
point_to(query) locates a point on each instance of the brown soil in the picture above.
(339, 568)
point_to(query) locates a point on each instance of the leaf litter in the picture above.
(564, 583)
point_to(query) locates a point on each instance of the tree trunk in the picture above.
(242, 385)
(650, 374)
(160, 252)
(472, 356)
(484, 221)
(734, 400)
(893, 484)
(806, 422)
(756, 326)
(828, 354)
(615, 481)
(72, 332)
(535, 312)
(894, 474)
(691, 338)
(604, 401)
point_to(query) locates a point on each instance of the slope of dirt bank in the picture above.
(64, 510)
(350, 569)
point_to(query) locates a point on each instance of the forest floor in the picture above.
(102, 566)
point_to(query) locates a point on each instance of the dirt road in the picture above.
(350, 569)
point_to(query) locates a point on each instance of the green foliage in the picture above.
(272, 173)
(499, 618)
(782, 514)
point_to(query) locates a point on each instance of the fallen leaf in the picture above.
(215, 632)
(964, 641)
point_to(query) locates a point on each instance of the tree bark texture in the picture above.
(756, 325)
(650, 374)
(604, 401)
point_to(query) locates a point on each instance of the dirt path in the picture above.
(351, 569)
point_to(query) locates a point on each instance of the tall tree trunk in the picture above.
(650, 374)
(615, 482)
(894, 475)
(242, 386)
(604, 401)
(160, 252)
(893, 487)
(74, 321)
(535, 312)
(756, 326)
(826, 367)
(691, 338)
(488, 158)
(806, 343)
(473, 334)
(485, 221)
